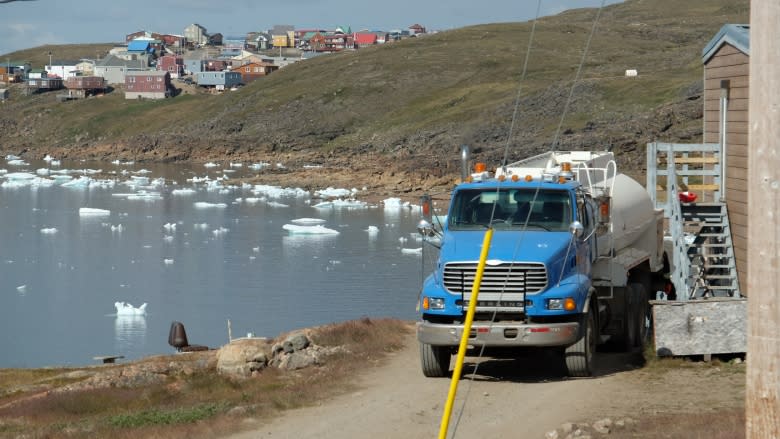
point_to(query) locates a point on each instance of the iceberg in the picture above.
(90, 211)
(126, 309)
(309, 230)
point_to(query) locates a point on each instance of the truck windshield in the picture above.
(513, 209)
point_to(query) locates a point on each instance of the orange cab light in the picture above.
(501, 177)
(569, 304)
(566, 166)
(528, 177)
(425, 303)
(561, 179)
(479, 167)
(515, 177)
(604, 210)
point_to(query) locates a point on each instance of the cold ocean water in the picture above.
(72, 243)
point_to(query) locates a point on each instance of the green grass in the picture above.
(147, 418)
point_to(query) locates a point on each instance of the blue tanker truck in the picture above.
(577, 251)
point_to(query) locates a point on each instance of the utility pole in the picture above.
(762, 404)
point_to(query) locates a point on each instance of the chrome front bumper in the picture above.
(500, 334)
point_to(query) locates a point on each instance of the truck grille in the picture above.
(517, 277)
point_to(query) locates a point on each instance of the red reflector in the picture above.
(540, 329)
(483, 329)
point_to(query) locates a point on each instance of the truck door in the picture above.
(586, 245)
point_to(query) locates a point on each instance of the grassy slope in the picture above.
(427, 93)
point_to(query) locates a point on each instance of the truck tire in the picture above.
(435, 360)
(637, 312)
(580, 356)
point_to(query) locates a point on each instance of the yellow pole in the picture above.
(464, 339)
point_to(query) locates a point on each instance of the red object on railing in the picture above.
(687, 197)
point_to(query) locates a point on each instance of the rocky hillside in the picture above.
(404, 109)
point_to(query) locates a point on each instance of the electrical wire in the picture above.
(473, 374)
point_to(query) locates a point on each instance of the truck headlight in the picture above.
(433, 303)
(567, 304)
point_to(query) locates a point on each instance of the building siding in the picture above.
(732, 64)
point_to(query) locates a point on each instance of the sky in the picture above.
(27, 24)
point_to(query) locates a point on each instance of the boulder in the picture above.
(240, 357)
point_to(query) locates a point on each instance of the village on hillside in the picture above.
(146, 65)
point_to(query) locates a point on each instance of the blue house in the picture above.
(220, 80)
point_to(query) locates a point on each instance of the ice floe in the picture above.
(181, 192)
(49, 231)
(349, 204)
(220, 231)
(372, 230)
(168, 261)
(205, 205)
(279, 192)
(259, 166)
(308, 221)
(17, 162)
(412, 251)
(309, 230)
(395, 203)
(126, 309)
(91, 211)
(10, 157)
(210, 165)
(334, 193)
(277, 204)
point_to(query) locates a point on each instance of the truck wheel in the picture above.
(435, 360)
(638, 314)
(579, 356)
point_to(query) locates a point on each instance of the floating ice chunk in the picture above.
(3, 171)
(412, 251)
(170, 226)
(259, 166)
(201, 226)
(277, 204)
(49, 231)
(42, 171)
(252, 258)
(90, 211)
(395, 203)
(256, 249)
(350, 204)
(181, 192)
(21, 288)
(55, 163)
(48, 158)
(279, 165)
(333, 193)
(126, 309)
(205, 205)
(236, 165)
(168, 261)
(312, 166)
(220, 231)
(17, 162)
(309, 230)
(145, 196)
(168, 238)
(142, 171)
(210, 165)
(402, 239)
(308, 221)
(278, 192)
(372, 230)
(20, 176)
(118, 228)
(81, 182)
(252, 200)
(10, 157)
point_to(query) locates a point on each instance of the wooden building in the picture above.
(726, 77)
(251, 71)
(149, 84)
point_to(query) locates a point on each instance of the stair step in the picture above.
(718, 276)
(722, 287)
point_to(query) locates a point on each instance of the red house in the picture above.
(172, 64)
(149, 84)
(363, 39)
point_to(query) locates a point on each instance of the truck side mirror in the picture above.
(425, 228)
(576, 229)
(426, 203)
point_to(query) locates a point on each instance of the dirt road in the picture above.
(522, 398)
